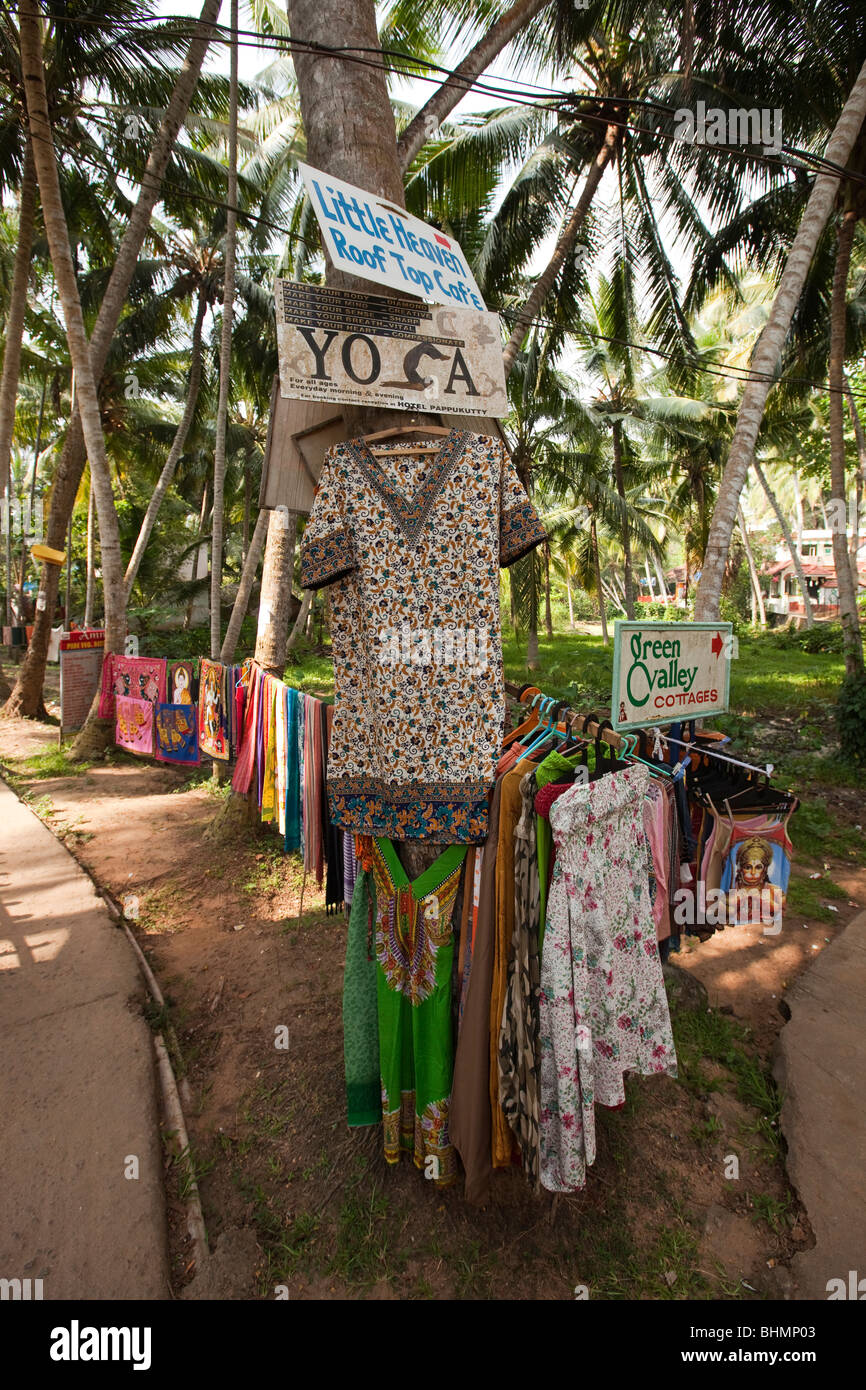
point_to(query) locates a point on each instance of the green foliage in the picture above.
(658, 612)
(851, 717)
(823, 637)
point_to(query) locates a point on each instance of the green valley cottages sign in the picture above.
(665, 671)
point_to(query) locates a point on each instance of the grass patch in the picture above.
(774, 1210)
(805, 898)
(54, 762)
(364, 1252)
(815, 834)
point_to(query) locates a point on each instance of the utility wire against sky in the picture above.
(514, 90)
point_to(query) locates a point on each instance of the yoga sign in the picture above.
(665, 671)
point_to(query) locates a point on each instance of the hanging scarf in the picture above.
(302, 772)
(269, 806)
(292, 838)
(361, 1013)
(243, 774)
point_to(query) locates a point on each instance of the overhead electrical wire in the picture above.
(346, 53)
(514, 89)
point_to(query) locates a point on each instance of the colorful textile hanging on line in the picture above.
(176, 734)
(212, 739)
(133, 677)
(181, 686)
(133, 728)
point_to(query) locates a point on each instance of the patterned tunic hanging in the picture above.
(412, 550)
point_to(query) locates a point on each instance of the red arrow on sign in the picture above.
(716, 645)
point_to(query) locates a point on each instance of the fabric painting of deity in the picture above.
(212, 739)
(134, 725)
(181, 685)
(176, 734)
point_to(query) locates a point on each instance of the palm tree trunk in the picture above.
(599, 587)
(196, 564)
(798, 497)
(446, 97)
(860, 438)
(87, 398)
(248, 497)
(177, 447)
(852, 638)
(758, 612)
(14, 335)
(301, 619)
(350, 133)
(219, 462)
(279, 561)
(26, 698)
(91, 527)
(660, 576)
(564, 245)
(789, 541)
(548, 616)
(614, 597)
(626, 538)
(245, 588)
(765, 359)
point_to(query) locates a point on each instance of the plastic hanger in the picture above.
(549, 728)
(530, 723)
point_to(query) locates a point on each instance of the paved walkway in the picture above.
(77, 1083)
(820, 1067)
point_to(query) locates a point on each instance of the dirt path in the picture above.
(293, 1200)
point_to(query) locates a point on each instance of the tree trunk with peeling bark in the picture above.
(767, 354)
(276, 593)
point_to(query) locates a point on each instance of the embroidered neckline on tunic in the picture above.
(411, 513)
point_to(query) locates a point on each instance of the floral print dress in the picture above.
(603, 1010)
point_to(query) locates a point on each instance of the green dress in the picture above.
(414, 955)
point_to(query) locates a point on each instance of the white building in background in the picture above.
(816, 556)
